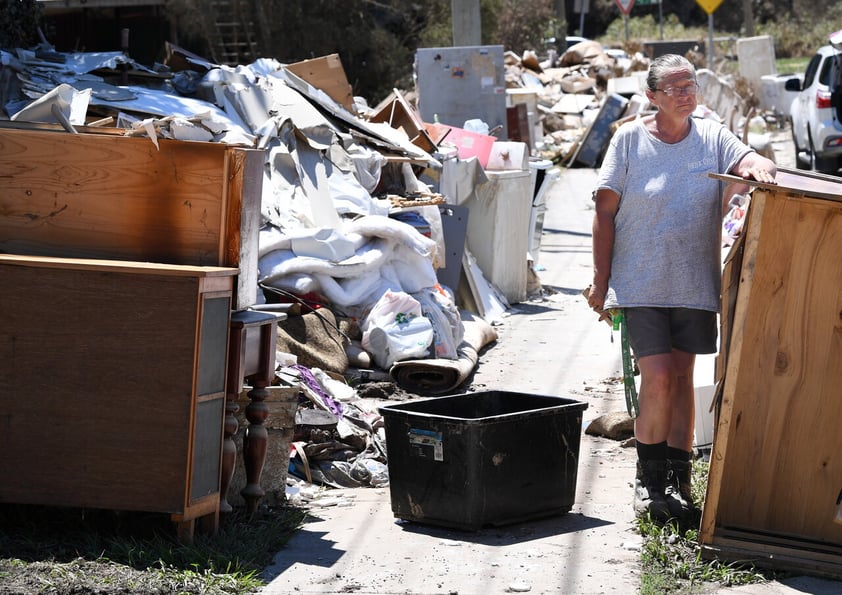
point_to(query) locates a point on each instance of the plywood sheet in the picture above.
(777, 461)
(796, 183)
(326, 73)
(398, 114)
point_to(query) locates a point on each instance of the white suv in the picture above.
(817, 112)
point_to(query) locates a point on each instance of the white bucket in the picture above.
(704, 417)
(705, 389)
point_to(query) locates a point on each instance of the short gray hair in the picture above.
(663, 65)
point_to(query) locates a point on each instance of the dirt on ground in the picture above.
(80, 577)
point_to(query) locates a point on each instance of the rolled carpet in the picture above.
(438, 376)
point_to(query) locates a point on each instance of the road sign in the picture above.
(625, 6)
(709, 6)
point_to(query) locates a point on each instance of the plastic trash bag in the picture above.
(448, 329)
(396, 329)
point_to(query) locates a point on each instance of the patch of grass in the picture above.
(791, 65)
(47, 549)
(671, 560)
(672, 563)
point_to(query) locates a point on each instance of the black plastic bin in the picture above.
(485, 458)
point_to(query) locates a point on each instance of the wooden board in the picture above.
(118, 266)
(326, 73)
(776, 465)
(115, 197)
(397, 113)
(796, 183)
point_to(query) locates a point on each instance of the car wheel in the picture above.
(821, 164)
(825, 165)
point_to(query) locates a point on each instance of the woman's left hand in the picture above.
(761, 175)
(756, 167)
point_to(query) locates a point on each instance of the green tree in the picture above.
(19, 20)
(525, 24)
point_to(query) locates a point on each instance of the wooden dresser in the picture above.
(113, 385)
(105, 196)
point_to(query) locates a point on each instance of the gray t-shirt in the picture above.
(667, 230)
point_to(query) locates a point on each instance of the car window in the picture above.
(835, 76)
(810, 73)
(824, 75)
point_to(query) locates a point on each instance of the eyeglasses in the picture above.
(690, 89)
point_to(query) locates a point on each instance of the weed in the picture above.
(671, 559)
(61, 551)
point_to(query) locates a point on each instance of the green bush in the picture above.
(802, 34)
(19, 21)
(794, 36)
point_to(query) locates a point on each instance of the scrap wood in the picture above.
(326, 73)
(398, 113)
(416, 199)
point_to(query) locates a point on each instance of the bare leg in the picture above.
(653, 421)
(683, 417)
(667, 409)
(665, 420)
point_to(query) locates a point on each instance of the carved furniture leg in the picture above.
(231, 425)
(255, 440)
(255, 445)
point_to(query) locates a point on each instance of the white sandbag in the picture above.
(385, 227)
(353, 293)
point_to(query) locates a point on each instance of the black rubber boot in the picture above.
(650, 490)
(682, 472)
(680, 509)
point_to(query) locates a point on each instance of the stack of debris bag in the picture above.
(352, 244)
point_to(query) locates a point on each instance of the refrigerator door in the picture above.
(457, 84)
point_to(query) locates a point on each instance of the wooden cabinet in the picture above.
(113, 384)
(775, 481)
(107, 196)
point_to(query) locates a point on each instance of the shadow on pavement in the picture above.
(517, 533)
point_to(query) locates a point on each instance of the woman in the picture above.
(657, 255)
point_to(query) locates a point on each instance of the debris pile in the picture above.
(352, 232)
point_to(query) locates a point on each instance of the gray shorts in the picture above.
(660, 330)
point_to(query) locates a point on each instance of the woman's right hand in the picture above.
(596, 300)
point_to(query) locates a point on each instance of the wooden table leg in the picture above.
(255, 445)
(185, 530)
(232, 393)
(259, 369)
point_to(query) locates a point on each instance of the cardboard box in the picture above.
(326, 73)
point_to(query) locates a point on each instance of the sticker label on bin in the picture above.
(426, 444)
